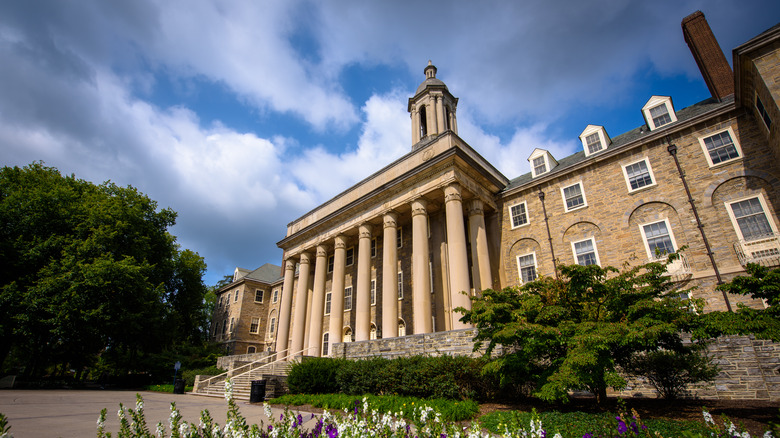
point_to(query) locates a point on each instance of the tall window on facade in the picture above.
(423, 121)
(594, 143)
(276, 295)
(272, 326)
(236, 299)
(659, 239)
(325, 338)
(327, 302)
(447, 124)
(526, 267)
(399, 237)
(585, 252)
(400, 285)
(721, 147)
(254, 327)
(540, 166)
(638, 175)
(573, 197)
(762, 112)
(259, 296)
(373, 248)
(330, 264)
(350, 256)
(519, 214)
(348, 298)
(232, 324)
(224, 326)
(751, 219)
(373, 292)
(401, 327)
(660, 115)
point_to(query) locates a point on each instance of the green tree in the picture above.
(87, 269)
(578, 332)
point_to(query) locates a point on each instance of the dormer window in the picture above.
(594, 139)
(541, 162)
(658, 112)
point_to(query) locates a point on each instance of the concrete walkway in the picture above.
(74, 413)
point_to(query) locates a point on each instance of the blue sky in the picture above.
(243, 115)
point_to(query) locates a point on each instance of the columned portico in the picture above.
(421, 282)
(479, 247)
(363, 298)
(458, 259)
(389, 276)
(283, 332)
(301, 300)
(318, 301)
(337, 288)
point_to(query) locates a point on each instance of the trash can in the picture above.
(178, 386)
(257, 393)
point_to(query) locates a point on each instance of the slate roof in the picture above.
(268, 273)
(623, 139)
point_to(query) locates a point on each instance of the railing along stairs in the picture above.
(243, 376)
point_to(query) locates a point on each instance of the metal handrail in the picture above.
(764, 248)
(680, 266)
(222, 377)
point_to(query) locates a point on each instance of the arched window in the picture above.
(423, 122)
(251, 349)
(325, 339)
(401, 327)
(447, 116)
(347, 335)
(372, 333)
(272, 324)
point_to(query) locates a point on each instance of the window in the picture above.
(328, 297)
(330, 264)
(638, 175)
(272, 326)
(594, 143)
(236, 298)
(399, 238)
(594, 139)
(348, 298)
(573, 197)
(254, 327)
(276, 295)
(325, 338)
(347, 335)
(373, 248)
(660, 115)
(227, 301)
(658, 239)
(585, 252)
(350, 256)
(721, 147)
(750, 218)
(763, 113)
(259, 295)
(539, 166)
(401, 327)
(373, 292)
(372, 333)
(519, 214)
(224, 326)
(400, 285)
(251, 349)
(526, 267)
(232, 324)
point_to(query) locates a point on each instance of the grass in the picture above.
(164, 388)
(450, 410)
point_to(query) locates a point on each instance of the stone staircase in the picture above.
(274, 373)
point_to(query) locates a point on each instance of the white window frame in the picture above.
(261, 292)
(275, 296)
(374, 247)
(328, 302)
(348, 308)
(254, 322)
(346, 335)
(650, 254)
(372, 333)
(331, 263)
(271, 327)
(649, 169)
(512, 216)
(326, 343)
(733, 218)
(373, 291)
(519, 269)
(347, 261)
(401, 328)
(400, 280)
(582, 192)
(595, 250)
(654, 102)
(603, 139)
(549, 162)
(734, 141)
(399, 237)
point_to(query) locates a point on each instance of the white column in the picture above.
(434, 117)
(283, 331)
(301, 301)
(363, 296)
(440, 113)
(318, 301)
(415, 126)
(421, 282)
(456, 249)
(390, 276)
(480, 256)
(337, 290)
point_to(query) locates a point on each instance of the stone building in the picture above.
(398, 252)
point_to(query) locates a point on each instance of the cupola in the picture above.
(432, 108)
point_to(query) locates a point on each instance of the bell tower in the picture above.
(432, 109)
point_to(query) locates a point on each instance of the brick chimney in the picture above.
(708, 55)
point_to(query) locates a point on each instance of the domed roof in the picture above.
(430, 79)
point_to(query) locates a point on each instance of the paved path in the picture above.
(74, 413)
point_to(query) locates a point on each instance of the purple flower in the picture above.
(634, 428)
(622, 428)
(281, 417)
(444, 435)
(588, 435)
(332, 431)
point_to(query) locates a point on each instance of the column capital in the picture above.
(452, 193)
(305, 258)
(289, 264)
(322, 250)
(364, 230)
(340, 242)
(419, 206)
(390, 219)
(476, 207)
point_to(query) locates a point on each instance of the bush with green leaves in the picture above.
(316, 375)
(189, 375)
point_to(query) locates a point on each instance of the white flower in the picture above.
(160, 430)
(732, 429)
(768, 434)
(707, 417)
(184, 428)
(228, 389)
(557, 435)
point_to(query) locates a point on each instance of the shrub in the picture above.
(359, 377)
(189, 375)
(315, 375)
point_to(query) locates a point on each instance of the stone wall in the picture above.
(750, 368)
